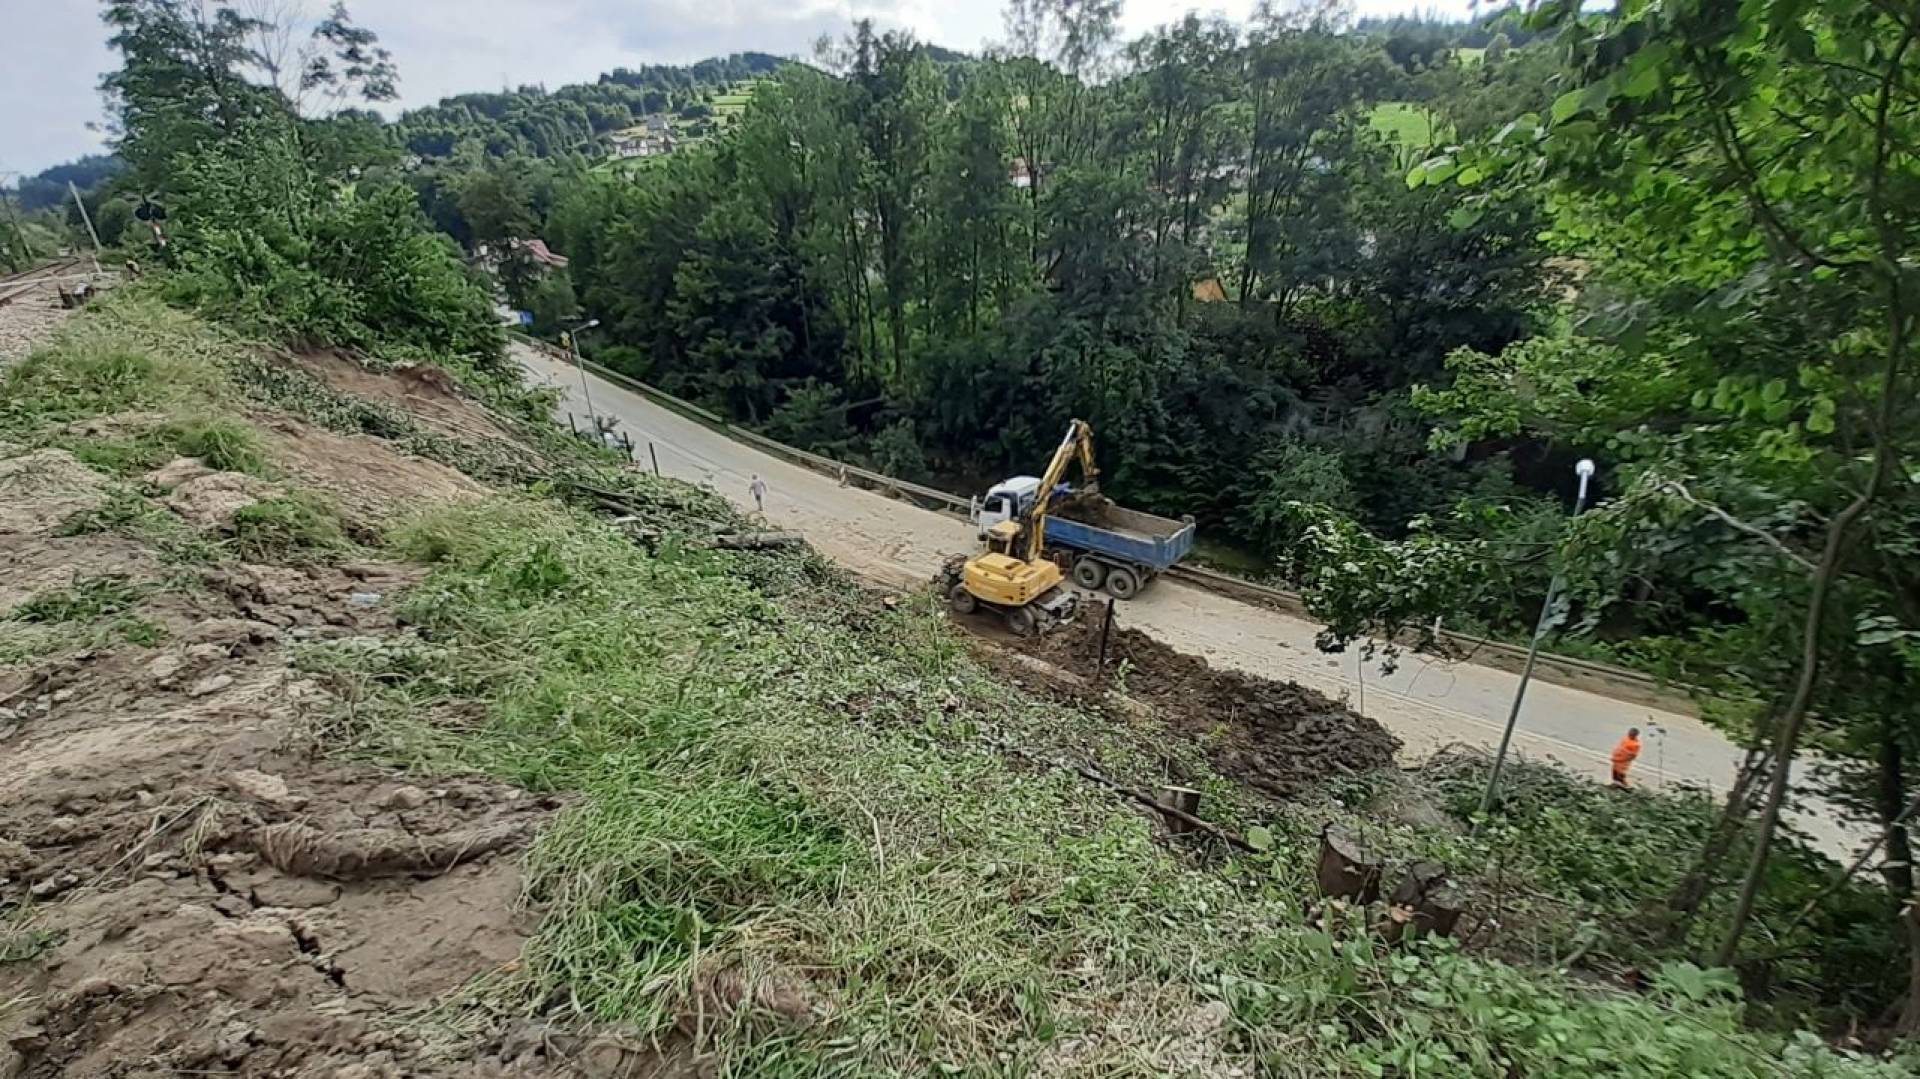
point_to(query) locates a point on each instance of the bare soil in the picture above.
(1277, 738)
(369, 482)
(27, 319)
(423, 391)
(190, 882)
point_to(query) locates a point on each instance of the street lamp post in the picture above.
(573, 350)
(1584, 470)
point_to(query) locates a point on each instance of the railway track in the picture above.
(14, 285)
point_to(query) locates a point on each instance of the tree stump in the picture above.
(1184, 799)
(1422, 903)
(1347, 870)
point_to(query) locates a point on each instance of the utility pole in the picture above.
(88, 219)
(1585, 471)
(573, 349)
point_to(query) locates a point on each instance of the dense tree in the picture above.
(268, 226)
(1745, 186)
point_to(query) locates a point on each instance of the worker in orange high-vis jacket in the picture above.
(1624, 755)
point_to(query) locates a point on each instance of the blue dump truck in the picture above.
(1104, 545)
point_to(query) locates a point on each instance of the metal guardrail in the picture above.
(779, 449)
(1618, 683)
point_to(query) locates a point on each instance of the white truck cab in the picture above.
(1004, 502)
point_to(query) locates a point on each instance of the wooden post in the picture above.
(1106, 627)
(87, 218)
(571, 426)
(655, 457)
(627, 441)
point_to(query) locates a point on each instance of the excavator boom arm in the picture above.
(1077, 443)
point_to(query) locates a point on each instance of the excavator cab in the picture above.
(1013, 576)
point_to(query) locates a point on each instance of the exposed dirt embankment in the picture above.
(192, 879)
(1278, 738)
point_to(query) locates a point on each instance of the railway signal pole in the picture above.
(88, 219)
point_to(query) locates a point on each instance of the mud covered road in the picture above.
(1426, 703)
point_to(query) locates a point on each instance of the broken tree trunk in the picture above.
(1186, 801)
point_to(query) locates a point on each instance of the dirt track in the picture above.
(1426, 703)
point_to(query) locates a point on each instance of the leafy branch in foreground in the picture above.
(1746, 188)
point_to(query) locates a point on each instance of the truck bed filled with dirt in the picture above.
(1278, 738)
(1093, 508)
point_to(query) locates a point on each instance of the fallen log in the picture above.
(758, 541)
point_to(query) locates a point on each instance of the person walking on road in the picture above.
(759, 489)
(1624, 755)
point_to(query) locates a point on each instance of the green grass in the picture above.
(298, 527)
(735, 99)
(126, 513)
(84, 601)
(133, 354)
(222, 444)
(1410, 125)
(806, 801)
(91, 611)
(129, 388)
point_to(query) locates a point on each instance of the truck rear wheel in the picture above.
(961, 600)
(1122, 583)
(1090, 573)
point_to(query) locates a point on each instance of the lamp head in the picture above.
(1585, 468)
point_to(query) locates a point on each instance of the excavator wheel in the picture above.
(961, 600)
(1022, 622)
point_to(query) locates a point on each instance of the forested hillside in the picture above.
(1202, 241)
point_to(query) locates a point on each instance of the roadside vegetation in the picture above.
(801, 844)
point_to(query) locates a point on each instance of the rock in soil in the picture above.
(1278, 738)
(176, 472)
(210, 501)
(41, 489)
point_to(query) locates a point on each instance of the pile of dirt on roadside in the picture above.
(423, 392)
(1278, 738)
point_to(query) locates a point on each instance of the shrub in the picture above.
(263, 239)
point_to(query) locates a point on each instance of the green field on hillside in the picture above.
(1409, 124)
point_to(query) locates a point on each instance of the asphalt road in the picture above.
(1425, 702)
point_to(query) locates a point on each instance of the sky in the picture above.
(57, 48)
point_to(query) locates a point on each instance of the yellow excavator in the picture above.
(1013, 575)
